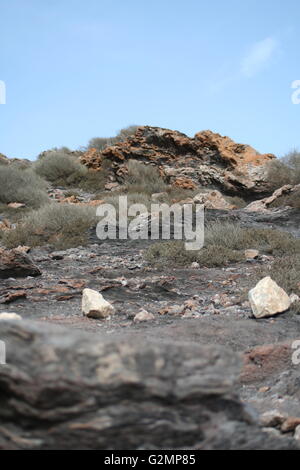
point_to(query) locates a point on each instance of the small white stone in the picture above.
(143, 316)
(10, 316)
(94, 305)
(195, 265)
(294, 298)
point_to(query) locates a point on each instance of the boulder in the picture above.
(69, 389)
(14, 263)
(268, 299)
(94, 305)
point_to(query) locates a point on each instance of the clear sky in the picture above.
(78, 69)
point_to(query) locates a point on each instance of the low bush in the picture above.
(60, 169)
(61, 225)
(23, 186)
(64, 150)
(173, 253)
(95, 181)
(100, 143)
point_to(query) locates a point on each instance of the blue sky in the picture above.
(75, 70)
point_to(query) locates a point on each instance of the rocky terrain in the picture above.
(162, 355)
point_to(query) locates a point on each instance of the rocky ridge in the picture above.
(208, 159)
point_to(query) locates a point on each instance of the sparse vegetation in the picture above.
(285, 171)
(60, 169)
(292, 200)
(60, 225)
(23, 186)
(173, 253)
(132, 198)
(54, 150)
(285, 271)
(143, 178)
(100, 143)
(224, 243)
(235, 237)
(94, 180)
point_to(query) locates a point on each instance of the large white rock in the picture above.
(94, 305)
(268, 299)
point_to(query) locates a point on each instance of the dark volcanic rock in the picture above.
(71, 390)
(14, 263)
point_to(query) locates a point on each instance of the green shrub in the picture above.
(61, 169)
(61, 225)
(24, 186)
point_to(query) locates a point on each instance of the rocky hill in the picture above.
(208, 159)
